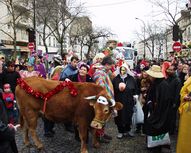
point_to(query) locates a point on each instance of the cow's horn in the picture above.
(112, 102)
(90, 97)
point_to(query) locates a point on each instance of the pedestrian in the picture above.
(96, 63)
(102, 78)
(10, 76)
(29, 72)
(39, 66)
(81, 76)
(184, 131)
(183, 74)
(7, 132)
(70, 69)
(158, 106)
(8, 98)
(175, 87)
(125, 87)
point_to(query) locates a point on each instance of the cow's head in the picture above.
(103, 109)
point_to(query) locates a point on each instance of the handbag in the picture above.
(153, 141)
(139, 112)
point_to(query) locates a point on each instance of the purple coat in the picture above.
(40, 68)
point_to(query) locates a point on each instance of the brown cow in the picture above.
(82, 109)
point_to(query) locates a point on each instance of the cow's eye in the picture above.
(106, 110)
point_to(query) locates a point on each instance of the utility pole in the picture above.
(144, 31)
(34, 24)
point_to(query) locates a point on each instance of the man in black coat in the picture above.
(175, 87)
(10, 76)
(7, 132)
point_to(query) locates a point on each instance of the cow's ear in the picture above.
(118, 106)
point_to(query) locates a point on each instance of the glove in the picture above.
(135, 97)
(67, 80)
(14, 127)
(8, 99)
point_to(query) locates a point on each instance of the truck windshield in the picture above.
(127, 52)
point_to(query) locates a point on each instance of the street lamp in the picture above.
(144, 51)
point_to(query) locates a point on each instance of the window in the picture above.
(54, 42)
(39, 40)
(188, 31)
(9, 26)
(49, 40)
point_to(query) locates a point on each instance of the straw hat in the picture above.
(155, 71)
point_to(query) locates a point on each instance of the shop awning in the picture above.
(19, 48)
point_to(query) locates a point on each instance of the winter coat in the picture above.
(7, 135)
(125, 97)
(175, 87)
(159, 101)
(74, 78)
(69, 70)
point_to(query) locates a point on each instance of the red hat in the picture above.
(165, 66)
(143, 62)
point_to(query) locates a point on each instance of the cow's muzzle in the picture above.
(97, 124)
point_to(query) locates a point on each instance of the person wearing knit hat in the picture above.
(165, 66)
(125, 87)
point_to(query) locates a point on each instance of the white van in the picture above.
(130, 55)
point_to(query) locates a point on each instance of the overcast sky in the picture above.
(119, 16)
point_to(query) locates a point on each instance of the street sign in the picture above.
(177, 46)
(31, 46)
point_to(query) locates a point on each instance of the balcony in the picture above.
(23, 23)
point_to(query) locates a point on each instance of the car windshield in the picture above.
(127, 52)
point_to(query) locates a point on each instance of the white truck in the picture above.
(130, 55)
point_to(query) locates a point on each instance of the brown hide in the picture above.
(60, 107)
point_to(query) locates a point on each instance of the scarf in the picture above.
(81, 79)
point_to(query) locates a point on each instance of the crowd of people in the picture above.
(162, 88)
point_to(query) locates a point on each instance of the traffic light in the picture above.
(175, 33)
(32, 35)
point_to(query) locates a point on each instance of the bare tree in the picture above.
(44, 15)
(154, 37)
(86, 35)
(15, 16)
(64, 12)
(93, 36)
(171, 10)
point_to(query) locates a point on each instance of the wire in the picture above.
(110, 4)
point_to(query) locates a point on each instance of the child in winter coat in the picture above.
(8, 98)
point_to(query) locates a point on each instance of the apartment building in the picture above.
(164, 47)
(8, 27)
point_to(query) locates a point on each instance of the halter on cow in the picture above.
(91, 106)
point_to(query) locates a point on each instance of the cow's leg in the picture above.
(95, 143)
(83, 129)
(23, 124)
(26, 136)
(32, 117)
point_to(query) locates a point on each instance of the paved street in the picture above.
(64, 142)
